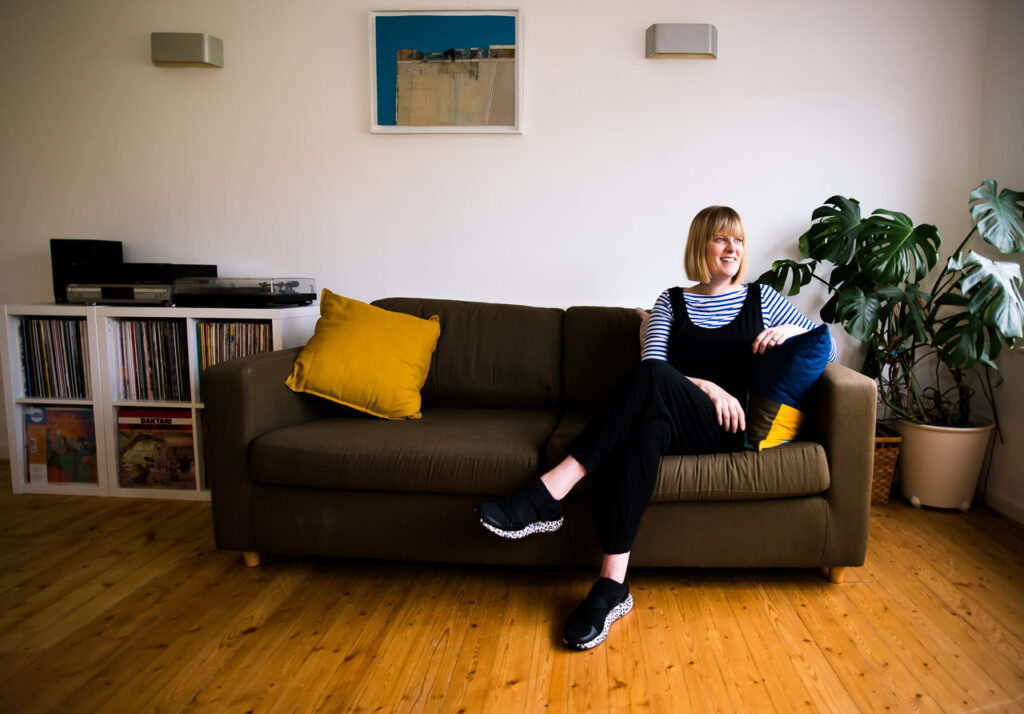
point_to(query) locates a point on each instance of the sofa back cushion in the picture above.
(600, 346)
(490, 355)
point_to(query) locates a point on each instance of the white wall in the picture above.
(266, 167)
(1002, 158)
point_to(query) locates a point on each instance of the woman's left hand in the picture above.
(775, 336)
(645, 316)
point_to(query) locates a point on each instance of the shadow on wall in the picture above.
(34, 263)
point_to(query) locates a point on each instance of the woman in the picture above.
(687, 397)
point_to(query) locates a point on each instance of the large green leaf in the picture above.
(893, 251)
(847, 274)
(833, 237)
(858, 312)
(914, 304)
(829, 311)
(786, 270)
(991, 288)
(903, 312)
(1000, 218)
(962, 342)
(842, 278)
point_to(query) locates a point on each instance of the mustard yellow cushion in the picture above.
(367, 358)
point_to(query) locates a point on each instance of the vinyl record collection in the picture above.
(54, 358)
(218, 341)
(154, 362)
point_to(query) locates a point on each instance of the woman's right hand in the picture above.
(727, 407)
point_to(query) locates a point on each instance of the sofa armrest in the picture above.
(243, 399)
(843, 416)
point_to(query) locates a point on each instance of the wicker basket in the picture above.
(887, 450)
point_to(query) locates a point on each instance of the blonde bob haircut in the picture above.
(711, 222)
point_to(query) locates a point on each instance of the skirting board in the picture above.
(1012, 510)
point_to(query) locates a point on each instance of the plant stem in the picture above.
(947, 274)
(990, 393)
(831, 287)
(963, 243)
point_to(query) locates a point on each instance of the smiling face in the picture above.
(716, 246)
(724, 256)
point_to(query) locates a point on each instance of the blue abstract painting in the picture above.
(443, 37)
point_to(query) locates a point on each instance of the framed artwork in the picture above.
(453, 71)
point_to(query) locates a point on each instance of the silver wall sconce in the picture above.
(186, 49)
(682, 40)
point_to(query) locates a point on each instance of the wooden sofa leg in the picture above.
(835, 574)
(251, 559)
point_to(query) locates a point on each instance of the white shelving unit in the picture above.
(106, 372)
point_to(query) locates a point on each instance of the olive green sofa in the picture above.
(508, 388)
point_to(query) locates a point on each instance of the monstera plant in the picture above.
(925, 327)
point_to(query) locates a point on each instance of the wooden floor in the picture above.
(115, 605)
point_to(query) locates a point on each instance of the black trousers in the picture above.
(654, 411)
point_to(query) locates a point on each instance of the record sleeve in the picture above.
(61, 445)
(156, 448)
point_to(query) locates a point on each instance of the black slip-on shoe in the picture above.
(589, 623)
(532, 509)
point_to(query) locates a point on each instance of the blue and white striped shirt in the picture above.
(717, 310)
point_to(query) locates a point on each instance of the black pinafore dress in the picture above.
(657, 410)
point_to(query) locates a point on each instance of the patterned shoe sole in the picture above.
(618, 611)
(536, 527)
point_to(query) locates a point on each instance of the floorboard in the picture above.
(126, 605)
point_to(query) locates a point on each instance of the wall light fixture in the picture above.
(186, 49)
(682, 40)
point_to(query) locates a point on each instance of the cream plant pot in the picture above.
(939, 465)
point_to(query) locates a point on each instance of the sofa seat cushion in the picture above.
(788, 471)
(482, 452)
(796, 469)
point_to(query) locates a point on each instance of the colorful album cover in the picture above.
(61, 445)
(35, 444)
(156, 448)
